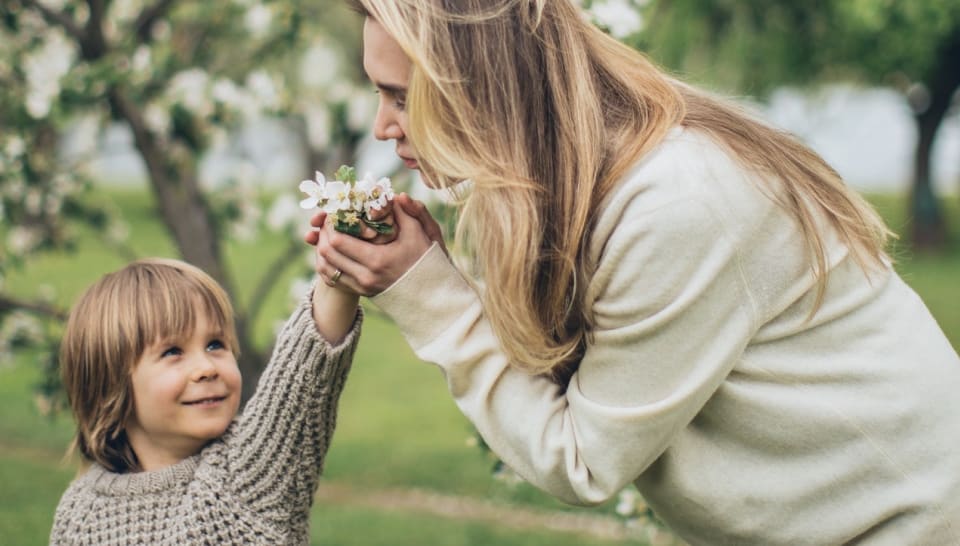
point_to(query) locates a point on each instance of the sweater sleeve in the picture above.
(672, 318)
(277, 448)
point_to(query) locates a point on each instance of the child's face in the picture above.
(186, 392)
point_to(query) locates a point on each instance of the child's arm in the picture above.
(277, 448)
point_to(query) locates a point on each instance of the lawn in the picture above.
(398, 429)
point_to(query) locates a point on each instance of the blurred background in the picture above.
(133, 128)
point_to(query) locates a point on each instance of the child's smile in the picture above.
(186, 393)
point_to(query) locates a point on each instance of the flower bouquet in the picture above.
(348, 200)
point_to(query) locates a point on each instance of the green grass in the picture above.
(398, 427)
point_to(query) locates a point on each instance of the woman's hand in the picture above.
(368, 267)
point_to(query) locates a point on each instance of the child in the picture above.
(149, 364)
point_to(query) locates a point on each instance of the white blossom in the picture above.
(125, 11)
(33, 201)
(627, 502)
(283, 212)
(317, 118)
(14, 147)
(44, 67)
(263, 89)
(361, 108)
(319, 67)
(338, 197)
(157, 118)
(375, 194)
(141, 59)
(190, 88)
(21, 240)
(315, 190)
(257, 20)
(620, 16)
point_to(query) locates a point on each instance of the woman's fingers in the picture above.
(419, 210)
(317, 221)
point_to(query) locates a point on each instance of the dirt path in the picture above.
(409, 500)
(485, 511)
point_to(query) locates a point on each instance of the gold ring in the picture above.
(335, 277)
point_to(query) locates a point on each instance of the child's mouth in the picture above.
(211, 401)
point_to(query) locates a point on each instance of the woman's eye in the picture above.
(216, 345)
(171, 351)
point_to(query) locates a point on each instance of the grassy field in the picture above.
(398, 429)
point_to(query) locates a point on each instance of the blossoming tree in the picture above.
(180, 77)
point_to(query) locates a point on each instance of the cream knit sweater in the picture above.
(254, 485)
(740, 422)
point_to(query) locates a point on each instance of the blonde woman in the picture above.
(670, 293)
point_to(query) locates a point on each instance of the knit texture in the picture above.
(254, 485)
(703, 381)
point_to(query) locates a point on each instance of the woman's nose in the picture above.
(385, 125)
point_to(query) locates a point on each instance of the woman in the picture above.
(670, 293)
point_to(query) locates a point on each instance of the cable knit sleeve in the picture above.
(673, 316)
(277, 448)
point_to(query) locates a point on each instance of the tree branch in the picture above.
(57, 18)
(148, 17)
(269, 278)
(13, 303)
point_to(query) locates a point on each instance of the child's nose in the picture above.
(204, 368)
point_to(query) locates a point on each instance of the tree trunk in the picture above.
(188, 218)
(929, 228)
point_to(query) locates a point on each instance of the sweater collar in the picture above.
(139, 483)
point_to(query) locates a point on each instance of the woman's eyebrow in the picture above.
(391, 88)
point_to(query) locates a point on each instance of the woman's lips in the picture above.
(409, 162)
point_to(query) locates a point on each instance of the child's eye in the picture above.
(171, 351)
(216, 345)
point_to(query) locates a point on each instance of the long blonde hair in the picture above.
(544, 113)
(110, 327)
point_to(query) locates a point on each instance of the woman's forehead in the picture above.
(385, 63)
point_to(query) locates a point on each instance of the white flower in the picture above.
(15, 147)
(157, 118)
(283, 212)
(44, 67)
(338, 197)
(620, 16)
(376, 192)
(258, 19)
(315, 190)
(263, 89)
(141, 60)
(190, 88)
(627, 502)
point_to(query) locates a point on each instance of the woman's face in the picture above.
(389, 68)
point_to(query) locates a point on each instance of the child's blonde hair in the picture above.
(110, 327)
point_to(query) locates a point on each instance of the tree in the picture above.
(755, 45)
(179, 76)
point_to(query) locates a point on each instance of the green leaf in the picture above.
(380, 227)
(346, 174)
(349, 229)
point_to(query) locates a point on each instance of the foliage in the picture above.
(758, 45)
(181, 78)
(754, 46)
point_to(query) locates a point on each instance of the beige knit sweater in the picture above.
(254, 485)
(739, 421)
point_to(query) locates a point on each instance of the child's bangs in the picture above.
(172, 302)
